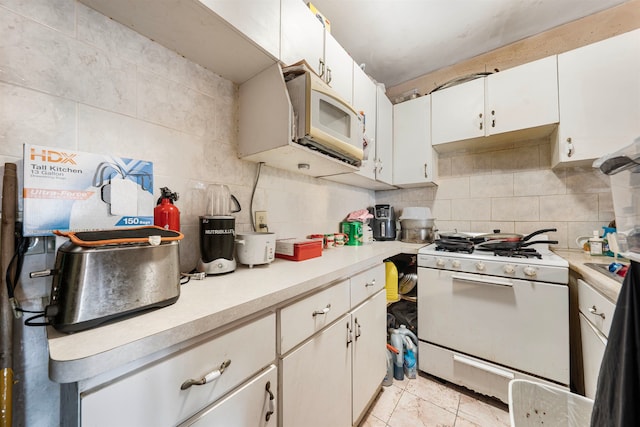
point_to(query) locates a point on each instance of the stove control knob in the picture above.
(439, 262)
(509, 268)
(455, 263)
(530, 271)
(480, 266)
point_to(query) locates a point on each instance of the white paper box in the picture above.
(74, 191)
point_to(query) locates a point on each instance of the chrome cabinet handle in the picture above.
(426, 174)
(328, 75)
(357, 327)
(271, 398)
(213, 375)
(321, 312)
(594, 310)
(349, 334)
(569, 147)
(481, 121)
(321, 67)
(371, 283)
(493, 120)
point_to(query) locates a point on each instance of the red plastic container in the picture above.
(298, 250)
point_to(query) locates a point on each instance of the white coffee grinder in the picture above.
(217, 232)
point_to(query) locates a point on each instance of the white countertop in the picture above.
(204, 306)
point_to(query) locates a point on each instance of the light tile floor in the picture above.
(428, 401)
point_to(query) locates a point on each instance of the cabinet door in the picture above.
(316, 380)
(599, 96)
(412, 151)
(252, 405)
(593, 346)
(384, 138)
(522, 97)
(364, 99)
(458, 112)
(369, 358)
(339, 68)
(301, 36)
(259, 20)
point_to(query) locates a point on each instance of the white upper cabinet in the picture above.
(520, 98)
(212, 33)
(338, 68)
(364, 100)
(599, 87)
(384, 138)
(303, 37)
(259, 20)
(413, 158)
(458, 112)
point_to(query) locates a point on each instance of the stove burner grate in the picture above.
(454, 245)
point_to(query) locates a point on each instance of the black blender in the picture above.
(217, 232)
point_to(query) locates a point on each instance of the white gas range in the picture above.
(484, 319)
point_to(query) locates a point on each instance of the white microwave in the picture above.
(323, 121)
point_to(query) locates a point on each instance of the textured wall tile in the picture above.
(515, 209)
(471, 209)
(540, 182)
(174, 105)
(587, 180)
(119, 40)
(453, 188)
(32, 117)
(499, 185)
(447, 225)
(605, 207)
(517, 159)
(103, 132)
(441, 209)
(37, 57)
(57, 14)
(570, 207)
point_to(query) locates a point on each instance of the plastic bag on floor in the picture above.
(535, 404)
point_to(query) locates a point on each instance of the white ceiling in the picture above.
(399, 40)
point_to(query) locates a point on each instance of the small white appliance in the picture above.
(254, 248)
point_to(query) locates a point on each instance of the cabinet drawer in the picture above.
(252, 405)
(366, 284)
(595, 307)
(153, 395)
(304, 318)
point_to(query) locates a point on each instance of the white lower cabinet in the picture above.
(596, 313)
(252, 405)
(369, 360)
(160, 394)
(316, 379)
(330, 379)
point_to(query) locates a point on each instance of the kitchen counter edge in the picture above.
(206, 306)
(603, 284)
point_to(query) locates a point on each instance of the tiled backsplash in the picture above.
(513, 189)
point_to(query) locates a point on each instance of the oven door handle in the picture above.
(483, 367)
(483, 280)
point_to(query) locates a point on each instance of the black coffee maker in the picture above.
(384, 223)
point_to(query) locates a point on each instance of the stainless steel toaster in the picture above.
(94, 285)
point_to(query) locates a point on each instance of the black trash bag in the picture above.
(405, 313)
(618, 391)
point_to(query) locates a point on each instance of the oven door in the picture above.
(520, 324)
